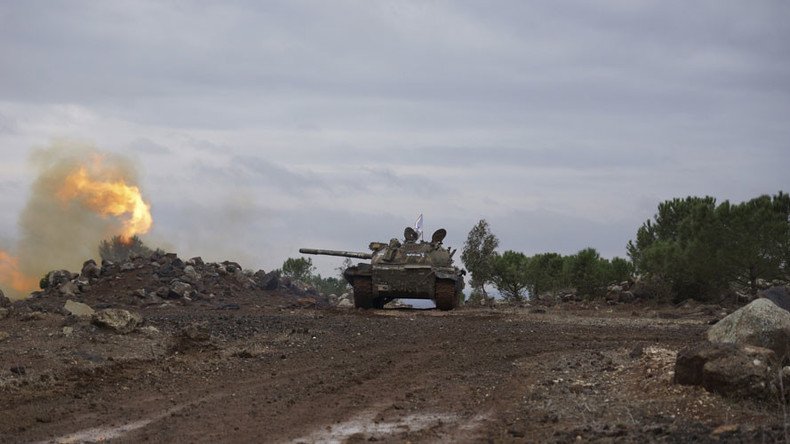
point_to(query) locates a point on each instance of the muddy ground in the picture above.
(271, 372)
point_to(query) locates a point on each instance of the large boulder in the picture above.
(4, 301)
(117, 320)
(728, 369)
(761, 323)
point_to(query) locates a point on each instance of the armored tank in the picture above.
(412, 269)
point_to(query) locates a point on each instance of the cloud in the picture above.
(563, 125)
(146, 146)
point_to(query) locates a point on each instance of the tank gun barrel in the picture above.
(354, 254)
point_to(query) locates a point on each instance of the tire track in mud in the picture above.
(389, 375)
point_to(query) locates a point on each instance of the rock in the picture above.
(140, 293)
(58, 277)
(196, 332)
(178, 290)
(78, 309)
(243, 279)
(90, 270)
(117, 320)
(231, 267)
(303, 288)
(778, 295)
(4, 336)
(268, 281)
(725, 368)
(69, 289)
(761, 323)
(18, 370)
(691, 360)
(4, 312)
(197, 260)
(128, 266)
(747, 373)
(191, 274)
(67, 330)
(4, 301)
(177, 263)
(345, 303)
(82, 283)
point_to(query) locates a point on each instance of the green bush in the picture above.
(118, 249)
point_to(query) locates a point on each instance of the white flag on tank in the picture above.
(418, 224)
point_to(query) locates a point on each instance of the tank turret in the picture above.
(412, 269)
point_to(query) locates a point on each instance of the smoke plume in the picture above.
(80, 197)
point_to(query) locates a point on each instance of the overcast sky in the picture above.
(261, 127)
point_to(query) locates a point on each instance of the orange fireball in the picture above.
(109, 198)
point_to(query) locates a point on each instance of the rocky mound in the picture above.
(164, 280)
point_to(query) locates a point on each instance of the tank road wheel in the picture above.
(446, 297)
(363, 292)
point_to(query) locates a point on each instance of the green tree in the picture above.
(510, 274)
(702, 248)
(586, 271)
(118, 249)
(478, 254)
(758, 239)
(619, 270)
(546, 272)
(328, 285)
(300, 269)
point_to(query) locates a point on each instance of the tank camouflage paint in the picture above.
(412, 269)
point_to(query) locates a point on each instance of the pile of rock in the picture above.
(745, 353)
(164, 277)
(619, 293)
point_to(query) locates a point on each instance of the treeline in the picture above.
(515, 274)
(692, 248)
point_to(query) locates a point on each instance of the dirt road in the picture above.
(274, 375)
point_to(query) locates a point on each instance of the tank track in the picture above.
(363, 292)
(446, 297)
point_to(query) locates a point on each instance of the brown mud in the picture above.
(274, 373)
